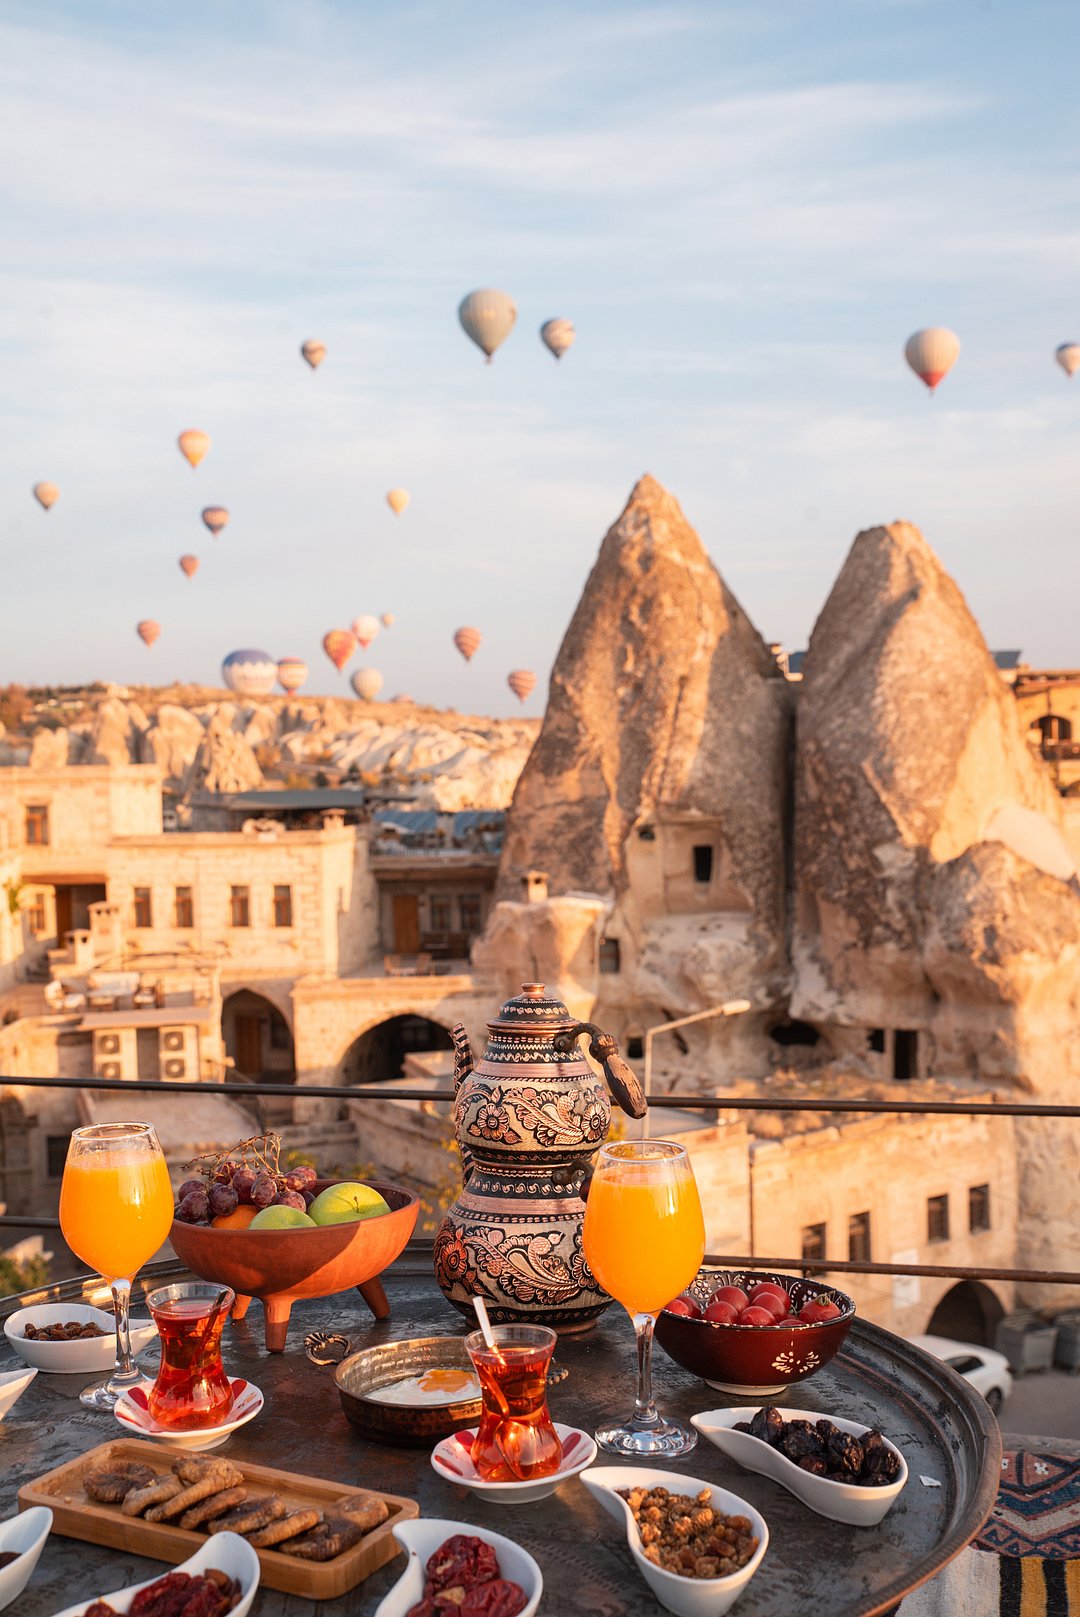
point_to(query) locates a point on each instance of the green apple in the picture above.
(345, 1203)
(281, 1218)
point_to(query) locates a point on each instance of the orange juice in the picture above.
(644, 1235)
(116, 1208)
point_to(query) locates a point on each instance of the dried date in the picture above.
(822, 1449)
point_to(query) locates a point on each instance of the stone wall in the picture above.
(87, 806)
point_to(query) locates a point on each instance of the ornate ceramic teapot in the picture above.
(529, 1118)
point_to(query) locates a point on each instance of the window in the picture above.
(239, 906)
(813, 1242)
(978, 1209)
(37, 825)
(439, 913)
(635, 1046)
(964, 1363)
(143, 914)
(56, 1150)
(283, 906)
(184, 912)
(469, 913)
(905, 1054)
(937, 1218)
(646, 834)
(876, 1041)
(703, 863)
(610, 961)
(38, 915)
(858, 1238)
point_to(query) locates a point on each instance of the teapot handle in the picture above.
(604, 1049)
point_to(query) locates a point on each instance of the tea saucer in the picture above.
(131, 1411)
(452, 1460)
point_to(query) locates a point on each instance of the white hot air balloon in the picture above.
(249, 673)
(367, 683)
(193, 446)
(314, 352)
(558, 335)
(387, 620)
(488, 318)
(932, 353)
(1067, 356)
(397, 500)
(46, 494)
(365, 628)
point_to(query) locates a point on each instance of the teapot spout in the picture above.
(604, 1049)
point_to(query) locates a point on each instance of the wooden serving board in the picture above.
(76, 1516)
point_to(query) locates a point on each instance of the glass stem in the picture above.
(125, 1364)
(645, 1412)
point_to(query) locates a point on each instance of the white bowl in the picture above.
(26, 1535)
(841, 1501)
(226, 1552)
(420, 1539)
(131, 1411)
(687, 1597)
(84, 1356)
(453, 1462)
(13, 1383)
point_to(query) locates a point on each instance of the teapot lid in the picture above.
(533, 1007)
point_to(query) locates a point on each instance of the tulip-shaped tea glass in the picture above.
(116, 1209)
(644, 1241)
(192, 1389)
(516, 1440)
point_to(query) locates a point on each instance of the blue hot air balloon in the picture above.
(249, 673)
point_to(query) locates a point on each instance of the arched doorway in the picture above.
(257, 1038)
(380, 1053)
(968, 1312)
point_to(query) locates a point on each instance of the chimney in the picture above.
(535, 885)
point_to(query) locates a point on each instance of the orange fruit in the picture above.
(239, 1219)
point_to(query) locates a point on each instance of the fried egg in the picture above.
(439, 1385)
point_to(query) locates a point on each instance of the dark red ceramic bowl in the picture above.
(754, 1360)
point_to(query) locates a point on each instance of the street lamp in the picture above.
(730, 1007)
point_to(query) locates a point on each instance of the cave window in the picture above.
(876, 1041)
(56, 1150)
(646, 833)
(635, 1047)
(813, 1242)
(795, 1032)
(1053, 728)
(703, 862)
(905, 1055)
(858, 1238)
(610, 961)
(979, 1209)
(937, 1218)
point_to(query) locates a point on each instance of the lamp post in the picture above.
(730, 1007)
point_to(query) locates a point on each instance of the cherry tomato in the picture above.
(818, 1310)
(684, 1305)
(757, 1316)
(777, 1306)
(769, 1288)
(731, 1294)
(720, 1312)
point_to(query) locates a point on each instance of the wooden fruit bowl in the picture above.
(278, 1266)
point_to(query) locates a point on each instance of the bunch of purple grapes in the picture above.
(202, 1200)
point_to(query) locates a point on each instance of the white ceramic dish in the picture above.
(687, 1597)
(420, 1539)
(25, 1535)
(13, 1383)
(452, 1460)
(133, 1415)
(840, 1501)
(83, 1357)
(227, 1552)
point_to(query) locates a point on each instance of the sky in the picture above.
(744, 209)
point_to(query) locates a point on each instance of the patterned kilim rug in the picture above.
(1026, 1560)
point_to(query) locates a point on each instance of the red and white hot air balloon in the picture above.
(189, 565)
(215, 517)
(367, 683)
(468, 642)
(339, 646)
(148, 631)
(365, 628)
(397, 500)
(314, 352)
(1067, 356)
(46, 494)
(932, 353)
(193, 446)
(521, 682)
(292, 672)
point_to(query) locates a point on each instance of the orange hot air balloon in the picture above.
(148, 631)
(314, 352)
(521, 682)
(388, 620)
(365, 628)
(189, 565)
(292, 672)
(339, 646)
(932, 353)
(46, 494)
(397, 500)
(216, 517)
(468, 642)
(193, 445)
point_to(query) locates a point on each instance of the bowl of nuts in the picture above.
(696, 1546)
(71, 1339)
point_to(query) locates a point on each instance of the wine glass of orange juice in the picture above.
(116, 1209)
(644, 1241)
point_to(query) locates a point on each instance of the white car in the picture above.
(987, 1370)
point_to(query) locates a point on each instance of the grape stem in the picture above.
(260, 1153)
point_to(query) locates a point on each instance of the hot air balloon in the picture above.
(365, 628)
(367, 683)
(148, 631)
(932, 353)
(521, 682)
(249, 673)
(1067, 356)
(397, 500)
(193, 446)
(189, 565)
(387, 620)
(215, 517)
(339, 646)
(314, 352)
(488, 318)
(46, 494)
(558, 335)
(292, 673)
(468, 642)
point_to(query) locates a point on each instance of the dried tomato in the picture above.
(498, 1597)
(461, 1561)
(424, 1608)
(100, 1608)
